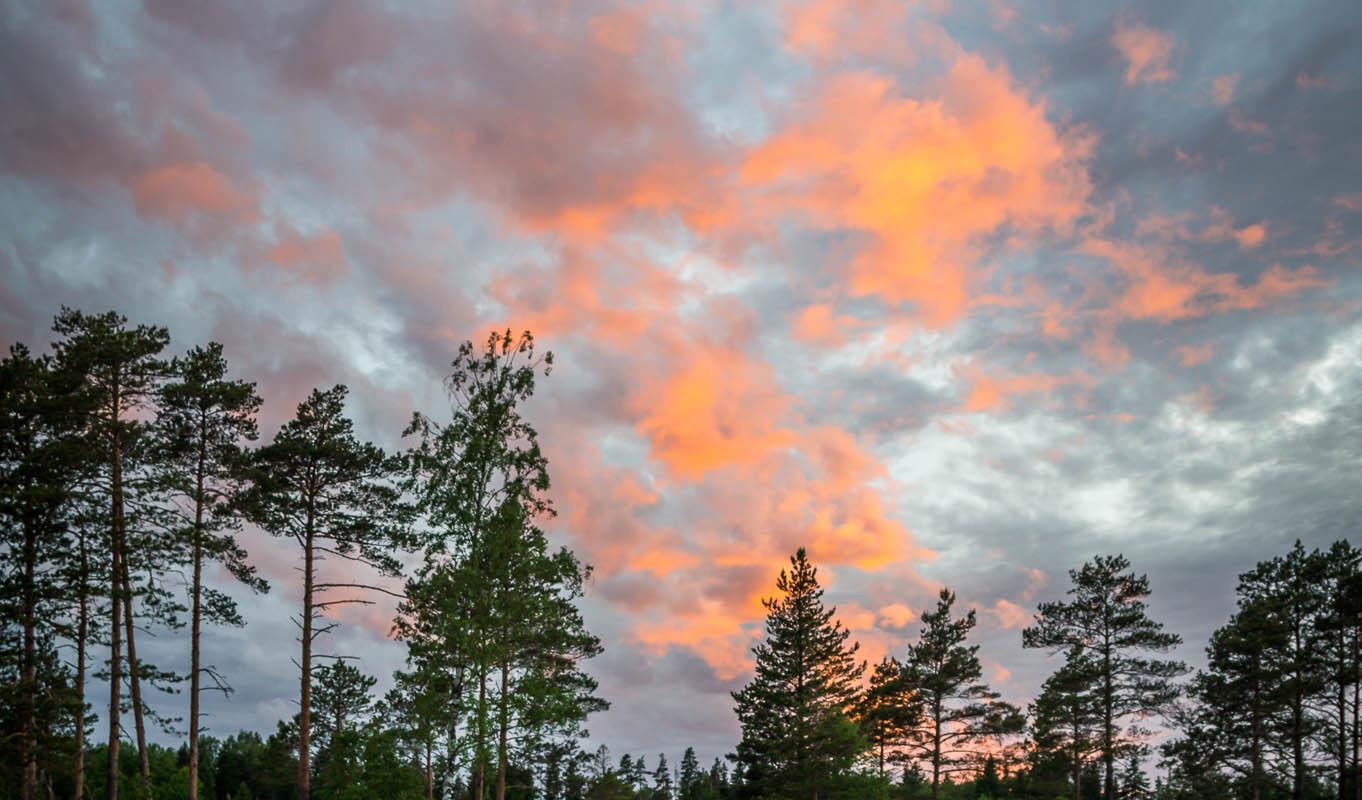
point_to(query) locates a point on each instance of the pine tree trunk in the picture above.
(1298, 724)
(1076, 765)
(196, 614)
(1256, 741)
(82, 633)
(115, 608)
(1108, 737)
(305, 689)
(503, 722)
(480, 752)
(936, 750)
(1357, 714)
(430, 773)
(135, 680)
(28, 751)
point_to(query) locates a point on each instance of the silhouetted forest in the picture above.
(127, 472)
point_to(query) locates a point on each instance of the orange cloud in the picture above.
(175, 192)
(819, 323)
(1191, 355)
(896, 615)
(1222, 229)
(1010, 616)
(1160, 287)
(1146, 51)
(1222, 89)
(928, 179)
(995, 393)
(715, 408)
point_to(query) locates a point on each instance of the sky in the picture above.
(950, 293)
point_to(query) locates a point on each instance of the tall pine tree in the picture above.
(204, 418)
(960, 712)
(1106, 621)
(335, 496)
(119, 368)
(796, 734)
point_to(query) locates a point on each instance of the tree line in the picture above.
(1275, 715)
(127, 475)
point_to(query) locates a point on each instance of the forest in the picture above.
(128, 472)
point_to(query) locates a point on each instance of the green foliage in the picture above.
(492, 604)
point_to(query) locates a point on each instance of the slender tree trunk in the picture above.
(82, 634)
(305, 693)
(135, 679)
(480, 752)
(115, 609)
(503, 722)
(196, 614)
(936, 750)
(28, 751)
(430, 773)
(1256, 735)
(1342, 724)
(1357, 714)
(1108, 721)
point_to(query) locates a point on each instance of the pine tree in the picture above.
(636, 775)
(120, 369)
(340, 705)
(1134, 783)
(203, 420)
(1107, 622)
(662, 779)
(1340, 634)
(1240, 695)
(38, 468)
(334, 495)
(989, 785)
(1294, 588)
(691, 779)
(960, 712)
(1066, 717)
(890, 711)
(796, 735)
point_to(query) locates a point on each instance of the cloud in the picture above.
(1222, 89)
(181, 192)
(1146, 51)
(929, 178)
(319, 256)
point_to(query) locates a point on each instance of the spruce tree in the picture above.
(690, 781)
(1106, 621)
(796, 735)
(1134, 783)
(203, 419)
(662, 780)
(960, 712)
(334, 495)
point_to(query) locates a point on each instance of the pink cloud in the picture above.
(1146, 51)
